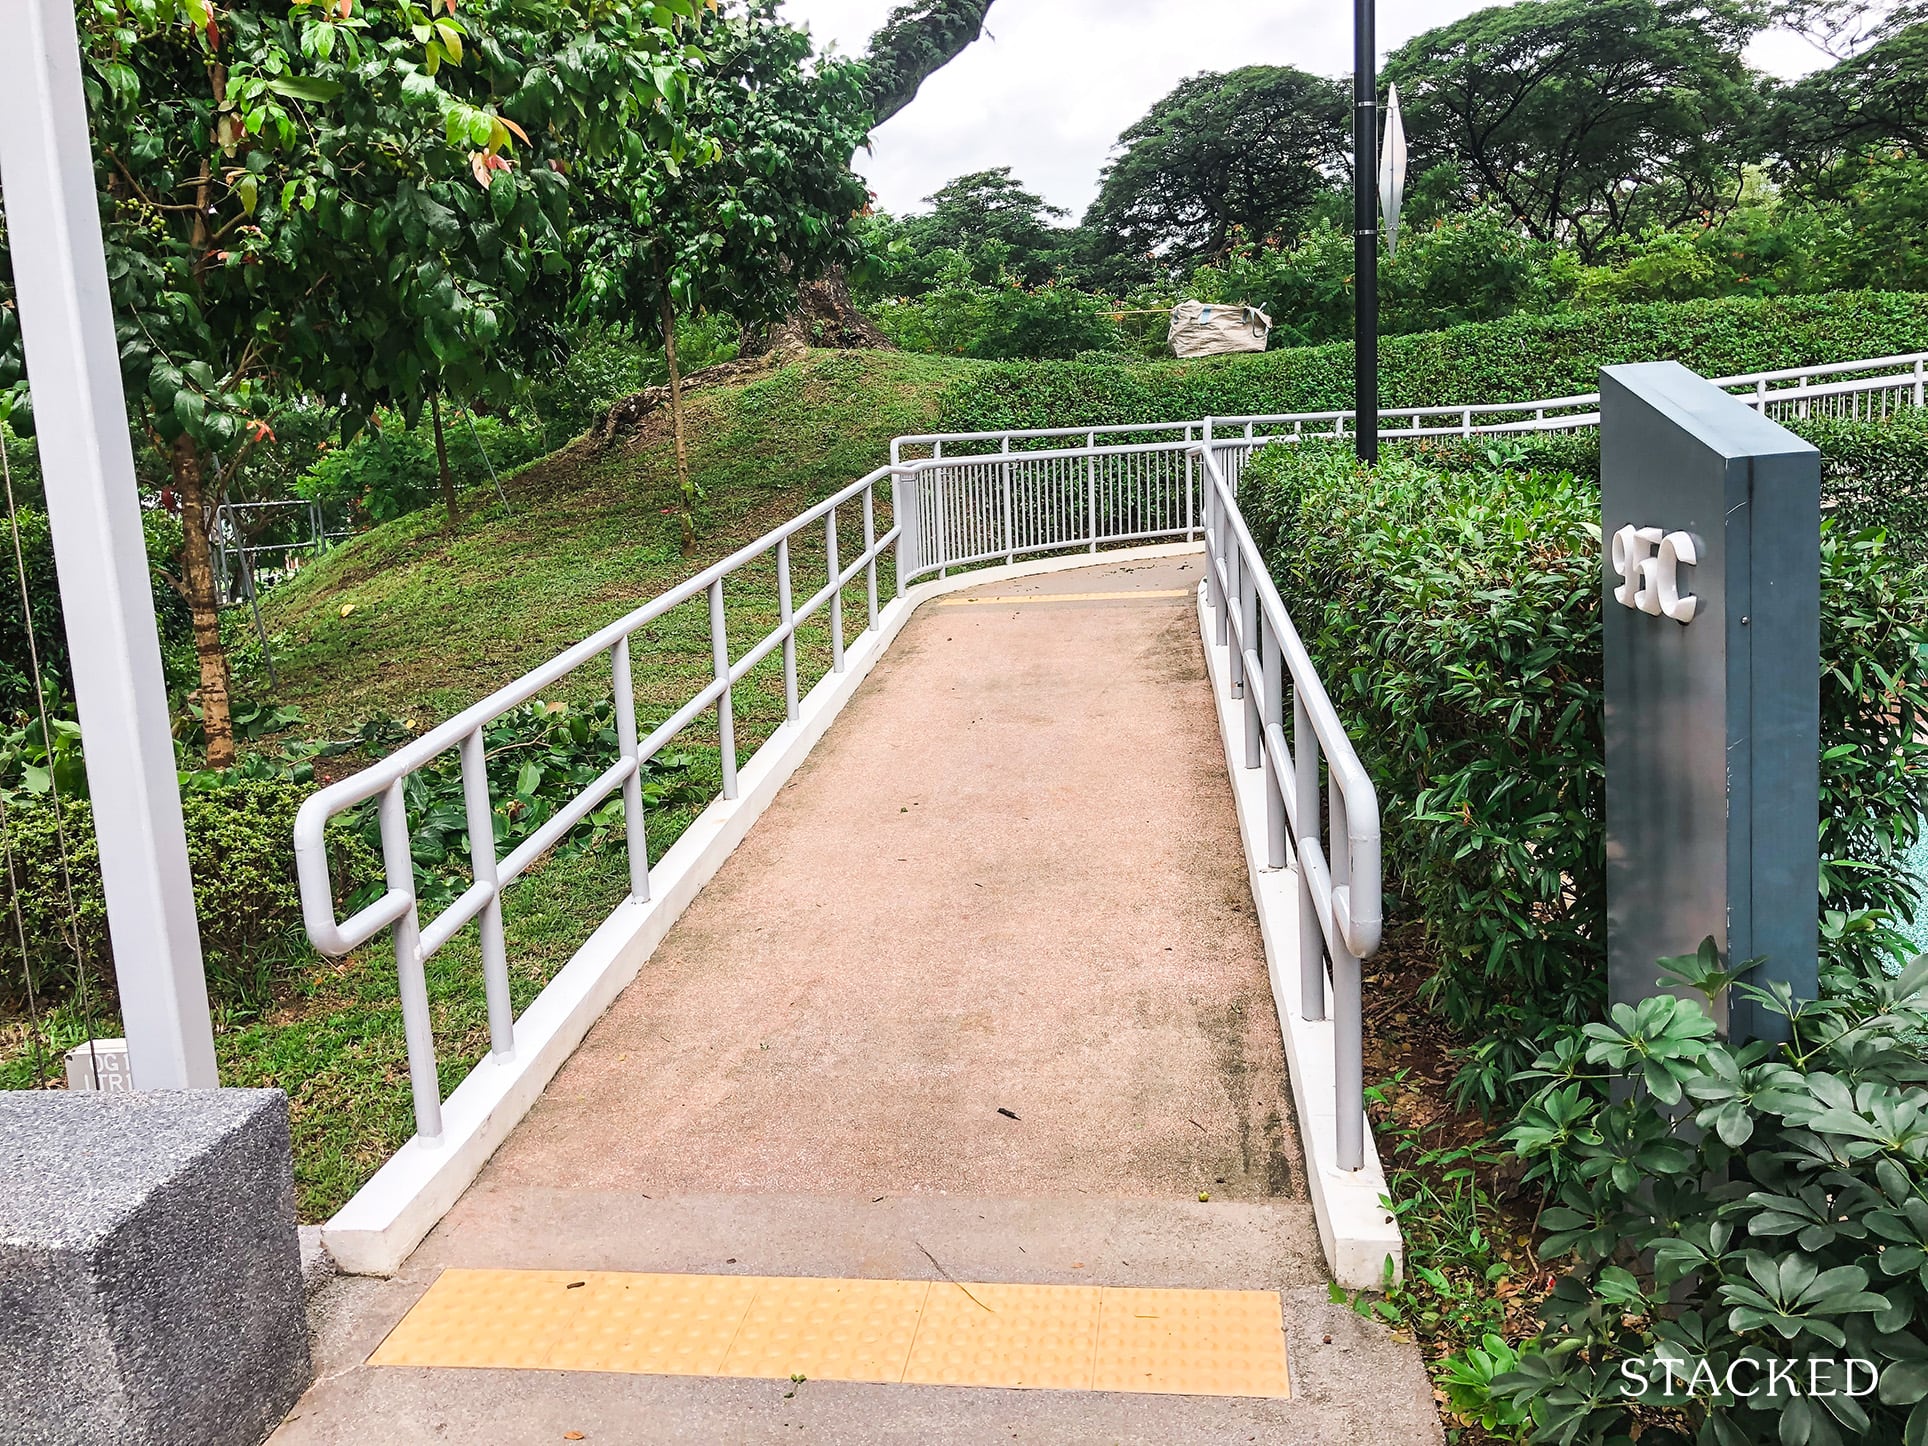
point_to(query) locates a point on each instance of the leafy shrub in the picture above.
(540, 756)
(963, 316)
(1462, 268)
(390, 469)
(1790, 1224)
(1876, 475)
(163, 536)
(241, 850)
(1456, 619)
(1520, 358)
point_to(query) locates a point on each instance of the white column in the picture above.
(60, 280)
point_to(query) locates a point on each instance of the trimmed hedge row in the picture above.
(1519, 358)
(1455, 615)
(1873, 474)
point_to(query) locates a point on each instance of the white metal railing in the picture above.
(978, 498)
(1000, 506)
(1337, 847)
(397, 908)
(1873, 388)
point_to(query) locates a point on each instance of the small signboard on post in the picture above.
(1711, 518)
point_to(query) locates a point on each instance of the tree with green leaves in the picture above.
(1874, 101)
(1587, 119)
(1247, 155)
(768, 206)
(361, 200)
(914, 42)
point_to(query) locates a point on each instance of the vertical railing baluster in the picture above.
(1091, 488)
(495, 953)
(411, 983)
(786, 613)
(725, 708)
(1010, 519)
(635, 822)
(870, 555)
(1305, 790)
(836, 597)
(1273, 660)
(1248, 613)
(1235, 585)
(1349, 1099)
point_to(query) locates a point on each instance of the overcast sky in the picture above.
(1053, 82)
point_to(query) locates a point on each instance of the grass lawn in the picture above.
(407, 622)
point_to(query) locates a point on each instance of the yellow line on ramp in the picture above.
(1036, 597)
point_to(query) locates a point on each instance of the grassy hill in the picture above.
(408, 622)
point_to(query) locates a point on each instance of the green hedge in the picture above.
(1517, 359)
(1455, 616)
(241, 849)
(1874, 473)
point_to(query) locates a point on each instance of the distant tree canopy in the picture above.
(1877, 98)
(1587, 119)
(1249, 153)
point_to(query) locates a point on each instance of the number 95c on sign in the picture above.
(1648, 561)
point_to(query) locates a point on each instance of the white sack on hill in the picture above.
(1206, 329)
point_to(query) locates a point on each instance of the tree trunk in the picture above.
(197, 580)
(687, 514)
(449, 499)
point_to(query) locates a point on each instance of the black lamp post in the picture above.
(1365, 231)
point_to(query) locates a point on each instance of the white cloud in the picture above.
(1053, 82)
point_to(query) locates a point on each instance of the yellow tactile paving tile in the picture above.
(828, 1330)
(1191, 1342)
(1066, 1337)
(1006, 1335)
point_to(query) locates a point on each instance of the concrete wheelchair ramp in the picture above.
(980, 1000)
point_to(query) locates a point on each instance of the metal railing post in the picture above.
(417, 1030)
(495, 954)
(1010, 515)
(1305, 792)
(1091, 488)
(903, 515)
(1235, 587)
(941, 523)
(635, 823)
(786, 612)
(1273, 661)
(835, 564)
(1191, 471)
(1921, 382)
(725, 712)
(1349, 1100)
(870, 557)
(1250, 645)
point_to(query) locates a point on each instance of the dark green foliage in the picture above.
(1520, 358)
(541, 756)
(1455, 616)
(1223, 156)
(1586, 118)
(1877, 99)
(999, 320)
(1791, 1223)
(1876, 475)
(1474, 267)
(241, 849)
(986, 221)
(163, 533)
(1455, 619)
